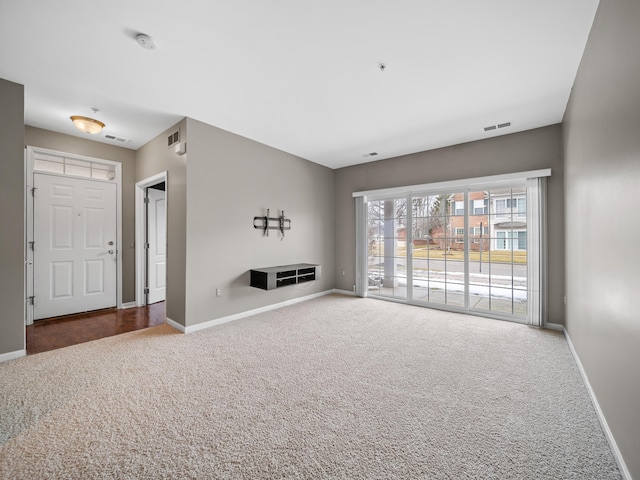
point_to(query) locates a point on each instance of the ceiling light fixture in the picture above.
(86, 124)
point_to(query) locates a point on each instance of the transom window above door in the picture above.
(43, 162)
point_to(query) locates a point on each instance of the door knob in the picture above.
(111, 242)
(112, 252)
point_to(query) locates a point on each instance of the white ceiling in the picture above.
(301, 76)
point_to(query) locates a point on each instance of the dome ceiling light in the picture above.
(86, 124)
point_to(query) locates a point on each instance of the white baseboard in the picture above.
(5, 357)
(175, 325)
(555, 326)
(128, 305)
(603, 421)
(248, 313)
(344, 292)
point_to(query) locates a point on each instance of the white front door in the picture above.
(157, 242)
(75, 267)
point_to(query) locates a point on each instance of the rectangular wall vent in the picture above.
(502, 125)
(173, 139)
(492, 127)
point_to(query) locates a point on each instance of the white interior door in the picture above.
(75, 267)
(157, 245)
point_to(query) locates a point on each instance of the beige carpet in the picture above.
(337, 387)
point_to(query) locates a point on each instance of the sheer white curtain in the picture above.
(537, 251)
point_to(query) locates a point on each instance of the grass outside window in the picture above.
(495, 256)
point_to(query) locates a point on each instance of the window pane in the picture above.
(478, 222)
(48, 158)
(436, 276)
(387, 248)
(455, 294)
(103, 171)
(79, 163)
(520, 300)
(102, 174)
(47, 166)
(522, 240)
(428, 219)
(77, 170)
(501, 300)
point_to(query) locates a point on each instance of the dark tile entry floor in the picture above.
(58, 332)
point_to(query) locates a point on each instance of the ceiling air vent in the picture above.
(108, 136)
(494, 127)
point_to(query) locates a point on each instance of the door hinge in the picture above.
(146, 291)
(33, 191)
(31, 300)
(32, 246)
(146, 199)
(147, 246)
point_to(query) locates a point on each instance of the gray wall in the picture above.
(230, 180)
(153, 158)
(602, 187)
(66, 143)
(12, 294)
(530, 150)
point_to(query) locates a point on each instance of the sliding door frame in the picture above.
(460, 186)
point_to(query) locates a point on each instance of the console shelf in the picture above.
(283, 275)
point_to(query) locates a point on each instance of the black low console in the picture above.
(274, 277)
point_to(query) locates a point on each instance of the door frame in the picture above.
(31, 151)
(141, 230)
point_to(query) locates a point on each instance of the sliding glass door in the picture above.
(387, 248)
(438, 253)
(464, 250)
(498, 251)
